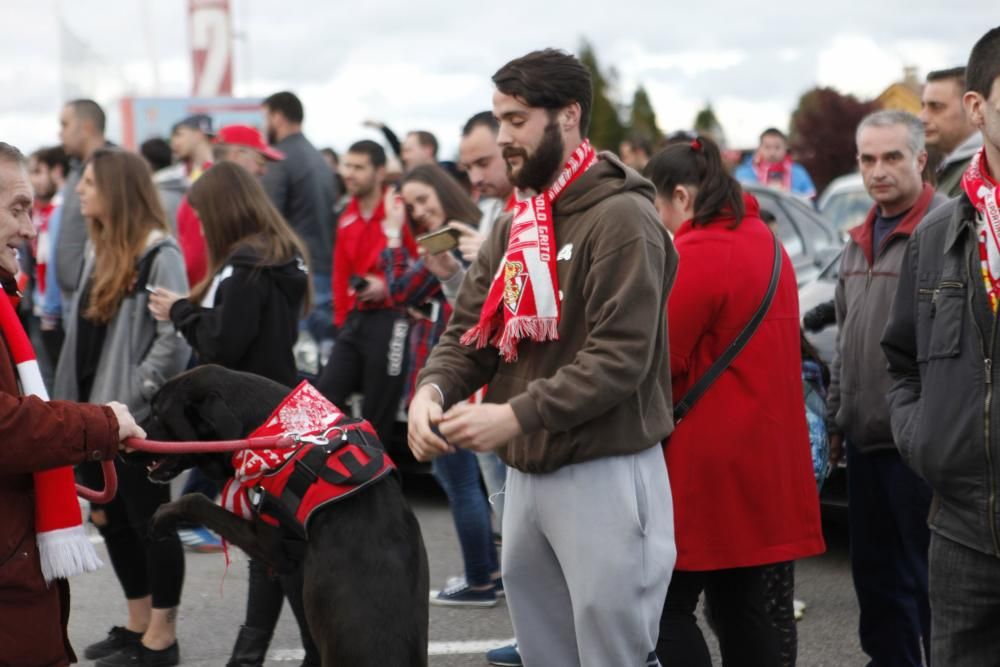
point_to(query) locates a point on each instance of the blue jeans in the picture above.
(458, 475)
(319, 321)
(494, 477)
(887, 508)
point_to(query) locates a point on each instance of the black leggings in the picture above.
(265, 595)
(747, 637)
(144, 565)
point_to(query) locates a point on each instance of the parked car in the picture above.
(845, 202)
(810, 241)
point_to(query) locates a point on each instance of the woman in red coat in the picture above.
(740, 466)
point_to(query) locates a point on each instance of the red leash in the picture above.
(159, 447)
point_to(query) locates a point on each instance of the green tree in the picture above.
(706, 123)
(642, 117)
(606, 128)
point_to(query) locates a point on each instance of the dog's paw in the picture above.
(165, 520)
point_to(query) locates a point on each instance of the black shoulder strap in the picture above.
(144, 268)
(712, 374)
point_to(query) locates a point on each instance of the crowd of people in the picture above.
(619, 432)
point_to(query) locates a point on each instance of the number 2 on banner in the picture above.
(210, 40)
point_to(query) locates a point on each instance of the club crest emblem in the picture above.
(514, 279)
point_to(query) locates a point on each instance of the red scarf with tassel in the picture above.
(523, 301)
(769, 173)
(63, 545)
(983, 192)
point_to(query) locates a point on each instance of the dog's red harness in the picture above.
(336, 457)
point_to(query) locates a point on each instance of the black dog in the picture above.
(366, 582)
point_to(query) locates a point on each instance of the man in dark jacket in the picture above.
(948, 128)
(81, 132)
(302, 190)
(36, 435)
(888, 503)
(570, 334)
(941, 341)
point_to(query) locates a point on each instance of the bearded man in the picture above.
(563, 315)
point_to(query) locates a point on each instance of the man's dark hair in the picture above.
(483, 118)
(157, 153)
(984, 64)
(374, 151)
(773, 132)
(89, 110)
(332, 153)
(956, 74)
(287, 104)
(427, 140)
(550, 79)
(640, 142)
(52, 157)
(698, 163)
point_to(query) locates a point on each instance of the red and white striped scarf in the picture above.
(63, 545)
(523, 301)
(982, 191)
(769, 173)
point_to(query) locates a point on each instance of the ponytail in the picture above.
(698, 164)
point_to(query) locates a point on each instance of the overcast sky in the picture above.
(427, 64)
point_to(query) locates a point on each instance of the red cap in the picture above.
(246, 135)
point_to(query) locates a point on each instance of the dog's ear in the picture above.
(219, 418)
(169, 408)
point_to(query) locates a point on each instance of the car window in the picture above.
(818, 235)
(847, 209)
(787, 232)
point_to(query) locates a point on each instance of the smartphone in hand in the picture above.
(439, 241)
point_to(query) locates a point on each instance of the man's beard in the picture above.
(540, 169)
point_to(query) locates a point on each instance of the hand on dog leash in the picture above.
(127, 427)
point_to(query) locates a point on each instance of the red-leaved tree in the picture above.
(822, 133)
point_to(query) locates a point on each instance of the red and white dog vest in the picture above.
(336, 457)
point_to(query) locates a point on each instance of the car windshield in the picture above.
(847, 209)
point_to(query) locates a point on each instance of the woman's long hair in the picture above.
(132, 210)
(698, 163)
(455, 203)
(235, 211)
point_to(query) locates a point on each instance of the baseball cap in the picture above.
(249, 136)
(198, 121)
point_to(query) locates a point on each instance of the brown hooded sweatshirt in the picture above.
(603, 388)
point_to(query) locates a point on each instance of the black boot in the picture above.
(250, 648)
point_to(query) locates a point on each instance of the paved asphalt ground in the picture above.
(214, 599)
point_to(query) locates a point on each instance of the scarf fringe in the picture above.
(66, 552)
(538, 329)
(478, 335)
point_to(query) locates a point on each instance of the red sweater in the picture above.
(740, 462)
(358, 252)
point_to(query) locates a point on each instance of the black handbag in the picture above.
(715, 370)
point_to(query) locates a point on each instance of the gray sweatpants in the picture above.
(587, 555)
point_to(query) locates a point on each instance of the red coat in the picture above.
(35, 435)
(740, 462)
(191, 239)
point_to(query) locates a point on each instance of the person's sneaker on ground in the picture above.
(137, 655)
(462, 595)
(498, 587)
(505, 656)
(199, 539)
(460, 581)
(798, 609)
(117, 639)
